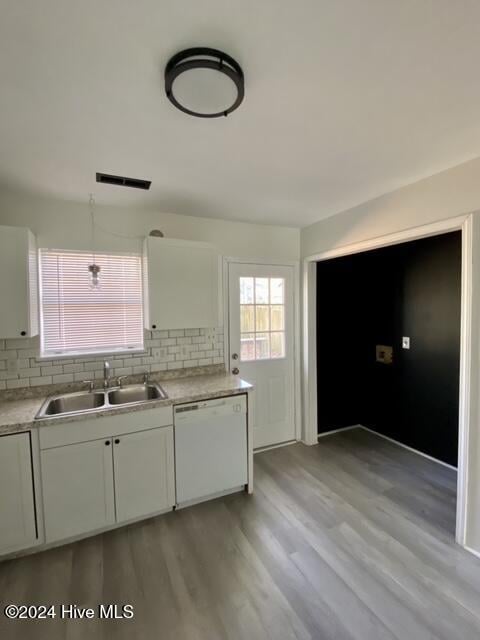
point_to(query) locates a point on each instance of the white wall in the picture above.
(445, 195)
(441, 196)
(66, 225)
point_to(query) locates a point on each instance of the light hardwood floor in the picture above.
(353, 538)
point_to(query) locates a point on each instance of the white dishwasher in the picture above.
(210, 447)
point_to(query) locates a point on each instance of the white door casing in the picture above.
(467, 401)
(261, 345)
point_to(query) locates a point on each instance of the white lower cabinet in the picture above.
(90, 485)
(77, 489)
(144, 473)
(17, 502)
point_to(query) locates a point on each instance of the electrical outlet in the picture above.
(160, 352)
(405, 343)
(185, 350)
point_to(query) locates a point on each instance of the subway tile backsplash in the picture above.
(164, 351)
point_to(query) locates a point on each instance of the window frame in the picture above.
(254, 332)
(50, 355)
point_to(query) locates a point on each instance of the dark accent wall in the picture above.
(411, 289)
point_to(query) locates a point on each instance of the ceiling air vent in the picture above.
(121, 181)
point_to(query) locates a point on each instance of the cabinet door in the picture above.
(77, 488)
(17, 503)
(18, 283)
(144, 473)
(183, 285)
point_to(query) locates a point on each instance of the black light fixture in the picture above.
(204, 82)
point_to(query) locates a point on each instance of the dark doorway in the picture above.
(372, 300)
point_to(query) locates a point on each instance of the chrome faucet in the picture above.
(106, 374)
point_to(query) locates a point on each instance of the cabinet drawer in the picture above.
(103, 426)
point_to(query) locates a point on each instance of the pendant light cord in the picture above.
(91, 204)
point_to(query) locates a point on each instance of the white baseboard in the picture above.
(329, 433)
(400, 444)
(274, 446)
(212, 496)
(472, 551)
(380, 435)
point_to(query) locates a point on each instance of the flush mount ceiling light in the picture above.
(204, 82)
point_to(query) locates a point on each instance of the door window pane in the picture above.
(278, 344)
(277, 291)
(262, 346)
(261, 291)
(246, 291)
(247, 346)
(278, 320)
(247, 318)
(262, 313)
(262, 318)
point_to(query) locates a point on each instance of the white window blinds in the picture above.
(78, 319)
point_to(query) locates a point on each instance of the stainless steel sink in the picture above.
(136, 393)
(89, 402)
(74, 402)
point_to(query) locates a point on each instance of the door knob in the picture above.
(235, 371)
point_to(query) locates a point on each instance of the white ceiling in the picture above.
(345, 100)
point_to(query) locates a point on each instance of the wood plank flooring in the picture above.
(351, 539)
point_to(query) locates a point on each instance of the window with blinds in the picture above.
(78, 319)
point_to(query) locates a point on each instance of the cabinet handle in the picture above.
(107, 442)
(23, 333)
(117, 441)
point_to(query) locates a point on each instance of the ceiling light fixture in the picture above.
(204, 82)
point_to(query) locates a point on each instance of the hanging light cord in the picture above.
(91, 204)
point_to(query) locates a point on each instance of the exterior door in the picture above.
(261, 318)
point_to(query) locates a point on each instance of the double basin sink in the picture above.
(98, 400)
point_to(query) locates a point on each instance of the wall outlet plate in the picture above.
(405, 342)
(159, 352)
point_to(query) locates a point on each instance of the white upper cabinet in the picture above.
(18, 283)
(182, 284)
